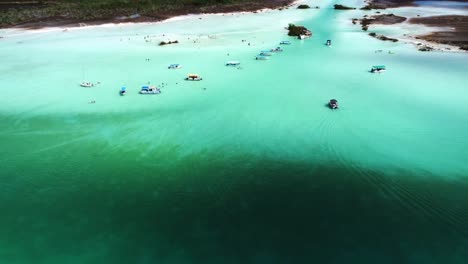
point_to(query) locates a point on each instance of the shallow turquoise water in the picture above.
(247, 166)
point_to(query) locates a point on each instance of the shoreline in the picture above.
(249, 7)
(442, 29)
(458, 36)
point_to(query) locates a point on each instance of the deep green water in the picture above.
(247, 166)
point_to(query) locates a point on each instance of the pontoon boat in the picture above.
(193, 77)
(150, 90)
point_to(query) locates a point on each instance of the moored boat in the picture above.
(378, 69)
(265, 53)
(232, 63)
(86, 84)
(193, 77)
(328, 43)
(150, 90)
(333, 104)
(123, 91)
(261, 57)
(277, 49)
(175, 66)
(285, 42)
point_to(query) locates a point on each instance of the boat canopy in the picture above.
(333, 101)
(378, 67)
(123, 88)
(193, 75)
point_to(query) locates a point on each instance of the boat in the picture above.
(86, 84)
(328, 43)
(261, 57)
(150, 90)
(123, 91)
(285, 42)
(264, 53)
(232, 63)
(378, 69)
(174, 66)
(333, 104)
(193, 77)
(277, 49)
(303, 36)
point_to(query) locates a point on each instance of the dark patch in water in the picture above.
(90, 205)
(211, 208)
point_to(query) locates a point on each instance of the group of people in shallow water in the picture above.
(196, 40)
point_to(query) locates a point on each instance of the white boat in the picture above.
(260, 57)
(232, 63)
(86, 84)
(378, 69)
(150, 90)
(265, 53)
(174, 66)
(303, 37)
(193, 77)
(285, 42)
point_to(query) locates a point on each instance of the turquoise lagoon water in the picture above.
(246, 166)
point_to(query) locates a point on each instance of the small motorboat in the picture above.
(86, 84)
(328, 43)
(277, 49)
(285, 42)
(123, 91)
(261, 57)
(193, 77)
(378, 69)
(150, 90)
(333, 104)
(174, 66)
(232, 63)
(265, 53)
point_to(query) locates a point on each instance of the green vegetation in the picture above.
(303, 7)
(298, 30)
(343, 7)
(17, 12)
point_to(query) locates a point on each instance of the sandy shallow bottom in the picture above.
(246, 166)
